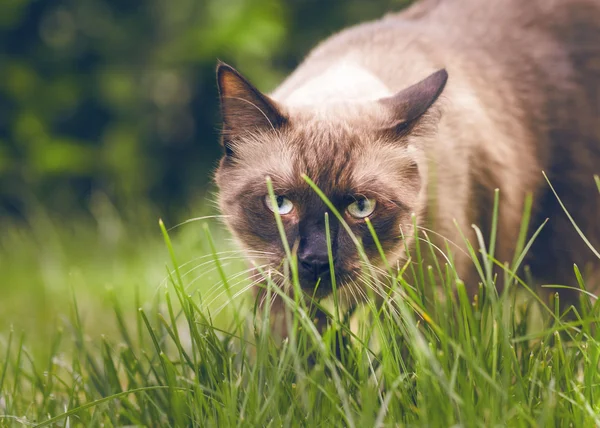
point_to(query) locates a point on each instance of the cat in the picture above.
(424, 112)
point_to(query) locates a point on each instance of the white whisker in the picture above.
(216, 287)
(208, 217)
(433, 232)
(227, 291)
(235, 296)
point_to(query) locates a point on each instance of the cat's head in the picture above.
(365, 157)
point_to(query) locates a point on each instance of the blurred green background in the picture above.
(118, 97)
(108, 121)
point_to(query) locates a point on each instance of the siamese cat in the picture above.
(424, 112)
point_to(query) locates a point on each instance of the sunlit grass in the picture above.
(195, 350)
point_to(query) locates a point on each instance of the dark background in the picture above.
(117, 97)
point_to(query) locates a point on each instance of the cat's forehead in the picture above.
(337, 157)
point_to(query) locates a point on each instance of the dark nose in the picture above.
(315, 266)
(313, 258)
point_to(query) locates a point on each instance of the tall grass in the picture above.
(208, 358)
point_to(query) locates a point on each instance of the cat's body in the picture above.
(523, 95)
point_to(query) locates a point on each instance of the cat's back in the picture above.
(514, 39)
(471, 24)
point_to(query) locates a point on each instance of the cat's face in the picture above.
(360, 156)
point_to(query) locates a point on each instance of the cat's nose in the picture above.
(315, 266)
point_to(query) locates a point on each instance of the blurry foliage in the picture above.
(117, 97)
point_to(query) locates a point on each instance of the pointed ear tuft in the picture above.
(243, 107)
(411, 103)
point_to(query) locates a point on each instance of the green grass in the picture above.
(194, 350)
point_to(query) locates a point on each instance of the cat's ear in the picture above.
(243, 107)
(410, 104)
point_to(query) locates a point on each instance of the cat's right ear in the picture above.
(243, 107)
(410, 104)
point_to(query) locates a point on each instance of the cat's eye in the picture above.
(284, 205)
(361, 208)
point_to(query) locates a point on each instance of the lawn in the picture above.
(124, 322)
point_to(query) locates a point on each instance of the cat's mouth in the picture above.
(322, 285)
(317, 286)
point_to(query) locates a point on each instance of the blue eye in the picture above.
(284, 205)
(361, 208)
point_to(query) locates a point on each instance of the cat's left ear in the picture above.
(243, 107)
(410, 104)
